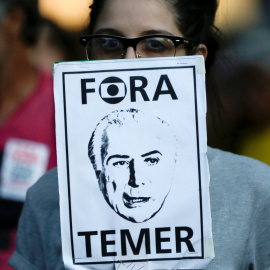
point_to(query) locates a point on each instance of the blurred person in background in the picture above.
(54, 45)
(26, 113)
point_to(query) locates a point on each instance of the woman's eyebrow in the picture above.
(116, 156)
(108, 31)
(151, 153)
(156, 32)
(115, 32)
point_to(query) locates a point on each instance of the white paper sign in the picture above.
(132, 166)
(23, 163)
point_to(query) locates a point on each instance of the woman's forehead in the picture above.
(131, 18)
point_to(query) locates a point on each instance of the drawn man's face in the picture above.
(138, 169)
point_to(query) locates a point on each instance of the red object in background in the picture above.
(34, 119)
(5, 254)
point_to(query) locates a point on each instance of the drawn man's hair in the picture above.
(98, 144)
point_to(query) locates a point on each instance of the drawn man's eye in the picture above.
(121, 163)
(151, 161)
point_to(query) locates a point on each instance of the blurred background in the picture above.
(239, 114)
(72, 15)
(36, 33)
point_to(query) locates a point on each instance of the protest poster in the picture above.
(23, 162)
(132, 166)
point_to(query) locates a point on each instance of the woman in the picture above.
(239, 188)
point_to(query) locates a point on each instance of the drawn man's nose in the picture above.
(132, 176)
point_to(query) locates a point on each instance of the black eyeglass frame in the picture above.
(132, 42)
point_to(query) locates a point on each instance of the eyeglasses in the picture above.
(100, 47)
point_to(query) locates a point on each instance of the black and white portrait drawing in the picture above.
(134, 156)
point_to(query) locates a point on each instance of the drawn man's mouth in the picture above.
(133, 202)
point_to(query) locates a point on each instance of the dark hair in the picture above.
(32, 20)
(194, 18)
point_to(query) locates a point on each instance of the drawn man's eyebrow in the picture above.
(116, 156)
(150, 153)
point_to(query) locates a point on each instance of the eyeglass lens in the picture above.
(110, 48)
